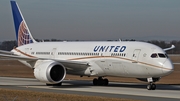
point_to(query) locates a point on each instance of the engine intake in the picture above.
(49, 72)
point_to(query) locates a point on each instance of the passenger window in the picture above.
(154, 55)
(161, 55)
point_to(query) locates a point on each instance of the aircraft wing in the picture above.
(69, 64)
(6, 52)
(172, 47)
(16, 57)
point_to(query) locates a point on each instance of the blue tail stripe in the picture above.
(17, 17)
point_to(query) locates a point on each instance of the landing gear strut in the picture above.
(100, 81)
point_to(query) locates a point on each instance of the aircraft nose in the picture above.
(168, 67)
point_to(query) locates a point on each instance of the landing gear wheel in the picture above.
(151, 86)
(100, 81)
(106, 82)
(95, 81)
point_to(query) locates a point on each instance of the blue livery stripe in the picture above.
(16, 16)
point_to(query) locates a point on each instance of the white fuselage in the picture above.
(128, 59)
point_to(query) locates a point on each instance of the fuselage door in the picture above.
(53, 53)
(135, 55)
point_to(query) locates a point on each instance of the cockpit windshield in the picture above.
(154, 55)
(159, 55)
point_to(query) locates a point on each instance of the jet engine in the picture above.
(49, 71)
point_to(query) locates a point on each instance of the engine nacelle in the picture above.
(49, 71)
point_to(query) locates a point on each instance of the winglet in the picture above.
(172, 47)
(23, 35)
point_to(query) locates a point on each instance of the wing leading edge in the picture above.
(73, 65)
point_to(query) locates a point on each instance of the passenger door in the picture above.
(135, 55)
(53, 53)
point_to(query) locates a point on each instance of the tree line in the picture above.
(9, 45)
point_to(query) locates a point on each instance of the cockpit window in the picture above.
(161, 55)
(154, 55)
(166, 55)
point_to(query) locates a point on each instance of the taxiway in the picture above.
(135, 91)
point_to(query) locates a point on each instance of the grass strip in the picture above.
(22, 95)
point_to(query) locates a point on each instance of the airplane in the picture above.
(51, 61)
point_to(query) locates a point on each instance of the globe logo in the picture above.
(23, 35)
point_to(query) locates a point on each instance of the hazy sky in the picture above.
(95, 19)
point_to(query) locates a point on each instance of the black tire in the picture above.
(95, 81)
(153, 86)
(149, 87)
(106, 82)
(100, 82)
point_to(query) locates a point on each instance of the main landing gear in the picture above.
(100, 81)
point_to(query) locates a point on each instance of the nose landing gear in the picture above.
(151, 85)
